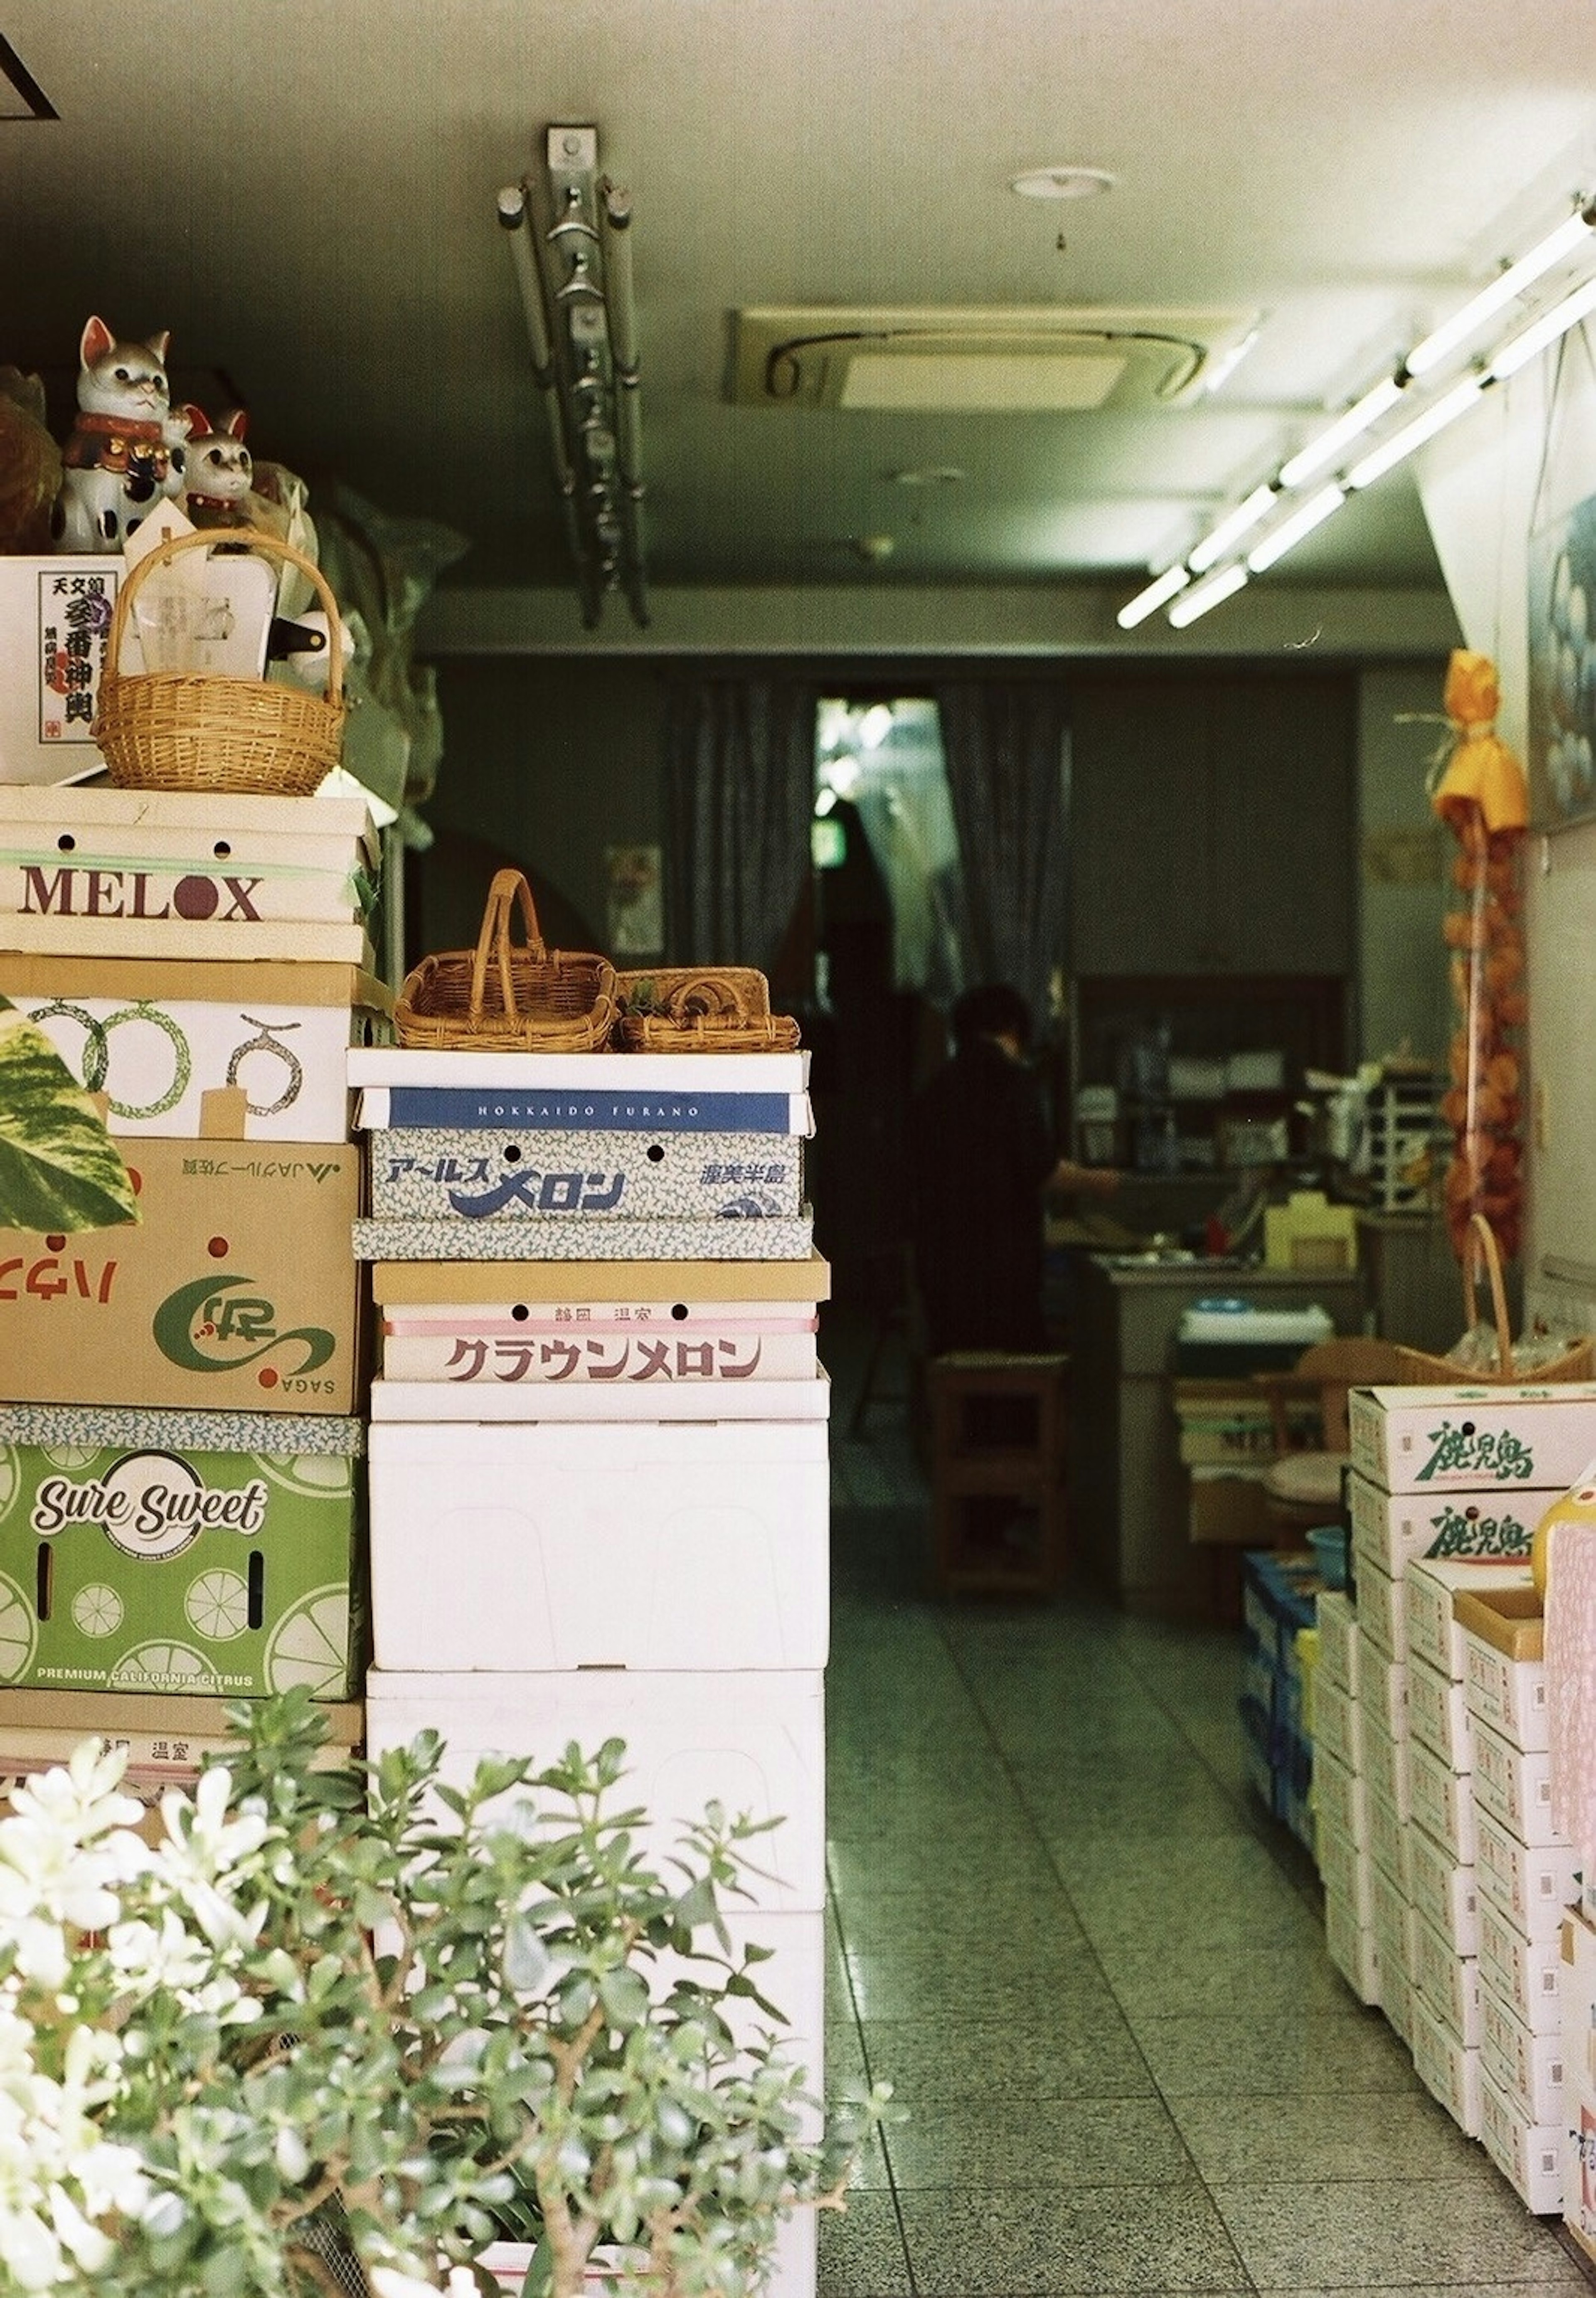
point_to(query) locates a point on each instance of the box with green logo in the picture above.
(236, 1290)
(210, 1554)
(1475, 1438)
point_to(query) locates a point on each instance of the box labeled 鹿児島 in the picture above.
(1391, 1530)
(1506, 1441)
(209, 1554)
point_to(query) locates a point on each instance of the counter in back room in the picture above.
(1130, 1532)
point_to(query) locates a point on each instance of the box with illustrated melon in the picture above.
(210, 1554)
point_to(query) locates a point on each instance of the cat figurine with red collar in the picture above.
(221, 470)
(125, 454)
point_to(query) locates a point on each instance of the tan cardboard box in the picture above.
(235, 1291)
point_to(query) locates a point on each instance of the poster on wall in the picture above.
(634, 884)
(1562, 669)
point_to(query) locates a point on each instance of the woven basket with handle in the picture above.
(501, 997)
(716, 1009)
(1576, 1362)
(195, 729)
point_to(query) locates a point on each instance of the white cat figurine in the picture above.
(221, 470)
(124, 455)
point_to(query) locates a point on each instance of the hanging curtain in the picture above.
(741, 791)
(1007, 752)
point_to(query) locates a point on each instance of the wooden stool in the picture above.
(999, 1448)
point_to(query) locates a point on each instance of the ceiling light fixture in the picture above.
(1320, 453)
(1544, 332)
(1065, 183)
(1241, 520)
(1157, 594)
(1219, 371)
(570, 234)
(1290, 532)
(1212, 593)
(1572, 233)
(1413, 435)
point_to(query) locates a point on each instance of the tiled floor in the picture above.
(1096, 1979)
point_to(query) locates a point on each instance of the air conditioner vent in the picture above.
(1029, 360)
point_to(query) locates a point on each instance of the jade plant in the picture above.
(342, 2027)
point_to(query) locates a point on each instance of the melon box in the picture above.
(211, 1553)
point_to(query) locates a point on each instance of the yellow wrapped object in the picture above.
(1482, 772)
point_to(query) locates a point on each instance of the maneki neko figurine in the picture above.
(220, 469)
(126, 451)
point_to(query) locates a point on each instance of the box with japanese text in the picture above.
(1352, 1950)
(1533, 1888)
(1389, 1840)
(1391, 1530)
(1347, 1874)
(1448, 1982)
(1527, 2069)
(608, 1545)
(1475, 1440)
(1438, 1715)
(234, 1291)
(1505, 1672)
(1443, 1892)
(1433, 1584)
(1338, 1639)
(556, 1237)
(189, 856)
(208, 1554)
(54, 619)
(1528, 2154)
(1382, 1614)
(502, 1175)
(1442, 1804)
(1340, 1797)
(155, 1036)
(1386, 1768)
(1523, 1973)
(756, 1744)
(1395, 1924)
(1514, 1785)
(1448, 2070)
(1382, 1691)
(656, 1344)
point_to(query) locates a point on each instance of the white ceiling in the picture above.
(304, 193)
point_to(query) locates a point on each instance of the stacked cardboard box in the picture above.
(1576, 1994)
(1526, 1880)
(598, 1475)
(1447, 1488)
(178, 1489)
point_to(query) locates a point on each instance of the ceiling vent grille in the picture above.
(1034, 359)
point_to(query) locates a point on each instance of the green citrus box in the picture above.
(208, 1553)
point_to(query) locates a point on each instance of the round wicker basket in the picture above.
(178, 730)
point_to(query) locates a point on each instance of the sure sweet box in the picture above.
(156, 1035)
(496, 1550)
(192, 1552)
(234, 1291)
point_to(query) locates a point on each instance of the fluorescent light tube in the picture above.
(1320, 453)
(1212, 593)
(1544, 330)
(1241, 521)
(1149, 601)
(1413, 435)
(1291, 531)
(1570, 234)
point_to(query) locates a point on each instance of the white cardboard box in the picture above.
(1448, 1982)
(97, 852)
(1396, 2000)
(752, 1742)
(1510, 1440)
(1340, 1797)
(1577, 1972)
(1346, 1875)
(1528, 2154)
(1523, 1973)
(1438, 1715)
(1433, 1634)
(1338, 1724)
(1533, 1887)
(660, 1344)
(1448, 2071)
(1383, 1692)
(500, 1549)
(498, 1175)
(156, 1035)
(1395, 1926)
(1443, 1892)
(54, 619)
(1351, 1948)
(1508, 1695)
(659, 1074)
(1388, 1841)
(1338, 1641)
(1391, 1530)
(1442, 1804)
(592, 1403)
(1382, 1614)
(1514, 1786)
(1527, 2069)
(1386, 1768)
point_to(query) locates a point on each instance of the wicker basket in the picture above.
(497, 998)
(718, 1009)
(1576, 1363)
(193, 730)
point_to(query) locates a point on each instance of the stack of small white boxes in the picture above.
(598, 1477)
(1444, 1889)
(180, 1507)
